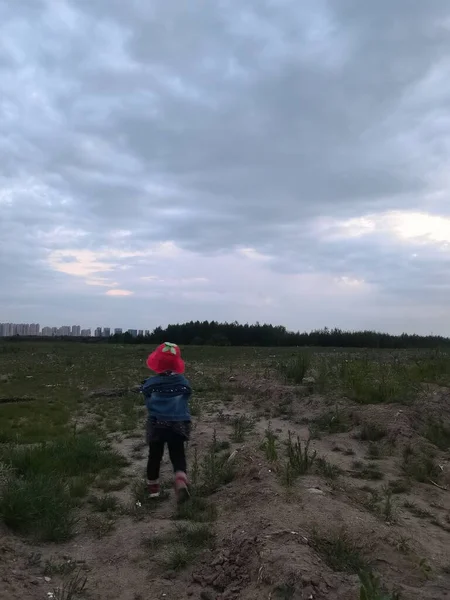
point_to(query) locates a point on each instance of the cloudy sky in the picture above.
(268, 160)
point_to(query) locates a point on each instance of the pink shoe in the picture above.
(154, 489)
(181, 487)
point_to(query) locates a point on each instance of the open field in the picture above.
(317, 475)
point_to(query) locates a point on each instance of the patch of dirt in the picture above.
(265, 531)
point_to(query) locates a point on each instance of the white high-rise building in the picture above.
(76, 330)
(106, 331)
(85, 333)
(117, 330)
(98, 332)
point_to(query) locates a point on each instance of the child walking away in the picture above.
(169, 421)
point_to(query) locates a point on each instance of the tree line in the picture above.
(214, 333)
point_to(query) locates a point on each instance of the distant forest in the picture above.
(212, 333)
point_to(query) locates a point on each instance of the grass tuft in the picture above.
(38, 505)
(339, 551)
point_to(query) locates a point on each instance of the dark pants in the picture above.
(177, 455)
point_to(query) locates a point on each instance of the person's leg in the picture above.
(155, 454)
(178, 459)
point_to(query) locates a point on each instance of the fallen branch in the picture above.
(438, 486)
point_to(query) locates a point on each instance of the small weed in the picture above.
(402, 544)
(241, 425)
(71, 589)
(287, 474)
(387, 507)
(300, 458)
(269, 445)
(216, 470)
(425, 568)
(371, 432)
(339, 551)
(178, 558)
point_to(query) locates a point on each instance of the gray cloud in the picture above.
(219, 126)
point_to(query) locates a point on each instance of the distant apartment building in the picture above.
(147, 332)
(98, 332)
(6, 329)
(47, 331)
(85, 333)
(76, 330)
(133, 332)
(106, 332)
(141, 332)
(118, 331)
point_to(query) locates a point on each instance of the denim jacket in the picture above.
(167, 397)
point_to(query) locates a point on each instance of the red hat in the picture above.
(166, 357)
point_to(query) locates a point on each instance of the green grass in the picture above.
(38, 505)
(339, 551)
(67, 457)
(38, 495)
(374, 382)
